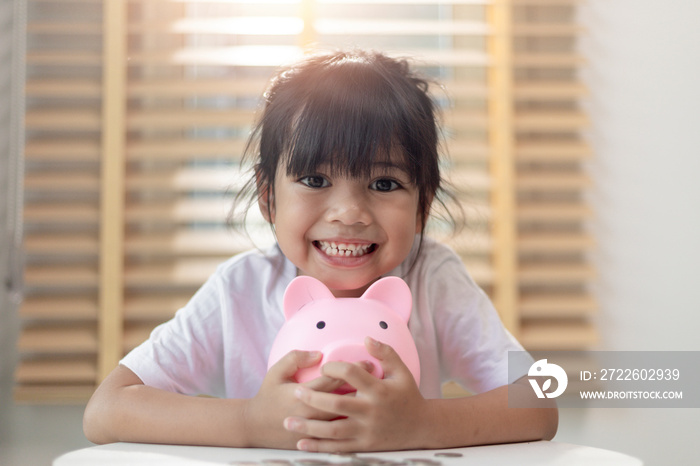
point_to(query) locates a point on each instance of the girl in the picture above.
(346, 172)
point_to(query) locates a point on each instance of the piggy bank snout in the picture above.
(351, 351)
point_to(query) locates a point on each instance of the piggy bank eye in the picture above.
(320, 324)
(383, 325)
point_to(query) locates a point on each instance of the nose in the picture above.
(348, 204)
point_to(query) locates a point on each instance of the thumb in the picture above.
(290, 363)
(392, 365)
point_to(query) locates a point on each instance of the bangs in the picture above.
(347, 118)
(347, 131)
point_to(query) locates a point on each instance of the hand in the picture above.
(384, 414)
(276, 401)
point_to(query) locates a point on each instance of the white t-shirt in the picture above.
(218, 344)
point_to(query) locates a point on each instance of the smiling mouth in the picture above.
(333, 248)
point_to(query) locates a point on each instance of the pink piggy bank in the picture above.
(318, 321)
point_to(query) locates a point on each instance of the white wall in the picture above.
(644, 74)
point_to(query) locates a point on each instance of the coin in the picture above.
(449, 454)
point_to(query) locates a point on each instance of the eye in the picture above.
(383, 325)
(314, 181)
(320, 324)
(384, 185)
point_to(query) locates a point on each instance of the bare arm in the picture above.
(123, 409)
(391, 414)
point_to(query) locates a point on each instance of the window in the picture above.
(137, 113)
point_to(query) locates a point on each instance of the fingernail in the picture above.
(373, 342)
(367, 365)
(299, 392)
(291, 424)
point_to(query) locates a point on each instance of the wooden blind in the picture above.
(137, 113)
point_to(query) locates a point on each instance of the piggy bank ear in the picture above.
(301, 291)
(393, 292)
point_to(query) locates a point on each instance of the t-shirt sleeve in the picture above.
(184, 354)
(474, 344)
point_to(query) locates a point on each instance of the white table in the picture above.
(521, 454)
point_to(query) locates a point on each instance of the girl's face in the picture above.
(346, 232)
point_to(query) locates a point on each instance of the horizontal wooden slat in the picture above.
(462, 149)
(64, 28)
(475, 243)
(228, 87)
(80, 88)
(61, 213)
(549, 90)
(223, 26)
(183, 272)
(546, 30)
(61, 244)
(186, 179)
(558, 336)
(62, 150)
(154, 307)
(554, 181)
(185, 149)
(463, 89)
(553, 212)
(182, 118)
(554, 242)
(552, 151)
(466, 119)
(59, 308)
(378, 27)
(64, 58)
(204, 210)
(470, 180)
(134, 335)
(188, 243)
(254, 56)
(58, 340)
(54, 393)
(550, 121)
(68, 181)
(273, 56)
(481, 271)
(556, 305)
(548, 60)
(56, 371)
(63, 119)
(554, 274)
(60, 276)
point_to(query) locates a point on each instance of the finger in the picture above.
(354, 374)
(338, 405)
(336, 429)
(327, 446)
(291, 362)
(391, 362)
(324, 384)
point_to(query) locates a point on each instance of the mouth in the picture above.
(333, 248)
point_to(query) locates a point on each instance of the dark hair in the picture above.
(347, 110)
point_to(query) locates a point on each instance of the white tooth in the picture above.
(342, 246)
(333, 245)
(328, 251)
(347, 252)
(351, 247)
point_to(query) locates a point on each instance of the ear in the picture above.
(301, 291)
(393, 292)
(266, 200)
